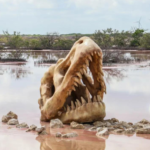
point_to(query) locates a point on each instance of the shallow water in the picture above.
(127, 98)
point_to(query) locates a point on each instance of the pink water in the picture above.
(127, 98)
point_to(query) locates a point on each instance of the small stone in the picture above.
(56, 123)
(69, 135)
(145, 130)
(124, 124)
(13, 122)
(75, 125)
(103, 132)
(111, 128)
(92, 129)
(108, 124)
(99, 124)
(130, 123)
(33, 127)
(22, 125)
(138, 125)
(9, 116)
(118, 130)
(43, 132)
(58, 134)
(114, 120)
(99, 129)
(129, 131)
(144, 121)
(40, 129)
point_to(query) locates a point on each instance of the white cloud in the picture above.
(36, 3)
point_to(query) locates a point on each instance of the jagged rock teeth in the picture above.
(99, 54)
(75, 84)
(73, 88)
(59, 113)
(95, 52)
(81, 71)
(89, 100)
(68, 108)
(78, 102)
(99, 98)
(87, 62)
(83, 100)
(94, 99)
(90, 58)
(79, 75)
(92, 53)
(77, 80)
(72, 105)
(69, 92)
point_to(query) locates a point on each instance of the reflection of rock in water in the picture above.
(110, 74)
(52, 143)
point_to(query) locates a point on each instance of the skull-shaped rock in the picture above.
(73, 88)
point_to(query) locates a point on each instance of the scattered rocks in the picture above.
(99, 129)
(13, 122)
(99, 124)
(58, 134)
(118, 131)
(75, 125)
(9, 116)
(56, 123)
(92, 129)
(145, 130)
(31, 128)
(114, 120)
(69, 135)
(125, 124)
(22, 125)
(129, 131)
(102, 133)
(43, 132)
(40, 129)
(144, 121)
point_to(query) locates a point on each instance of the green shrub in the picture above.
(145, 41)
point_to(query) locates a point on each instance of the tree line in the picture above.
(106, 39)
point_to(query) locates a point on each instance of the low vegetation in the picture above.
(106, 39)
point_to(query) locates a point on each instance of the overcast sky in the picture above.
(72, 16)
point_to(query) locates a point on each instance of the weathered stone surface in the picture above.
(130, 123)
(144, 121)
(118, 131)
(58, 134)
(43, 132)
(99, 124)
(137, 125)
(103, 132)
(40, 129)
(9, 116)
(108, 124)
(92, 129)
(125, 124)
(22, 125)
(145, 130)
(13, 122)
(69, 135)
(31, 128)
(129, 131)
(56, 123)
(111, 128)
(75, 125)
(99, 129)
(114, 120)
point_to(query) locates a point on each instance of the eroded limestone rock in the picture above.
(129, 131)
(13, 122)
(40, 129)
(69, 135)
(9, 116)
(75, 125)
(22, 125)
(56, 123)
(102, 132)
